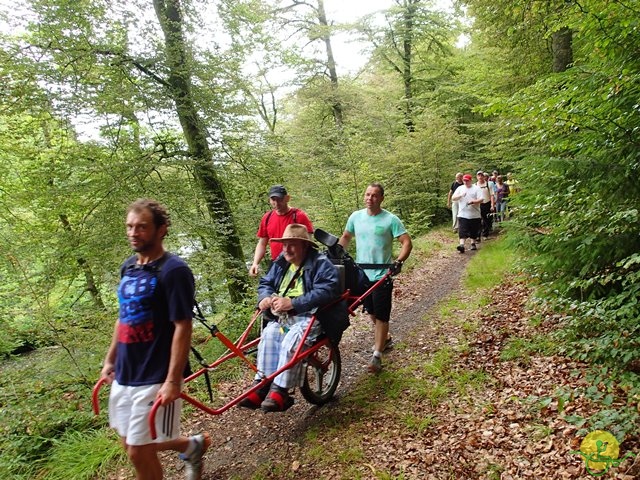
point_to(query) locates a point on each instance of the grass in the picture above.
(539, 432)
(417, 423)
(427, 244)
(488, 267)
(522, 349)
(494, 471)
(82, 456)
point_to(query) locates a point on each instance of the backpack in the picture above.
(295, 217)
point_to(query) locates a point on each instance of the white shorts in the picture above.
(129, 409)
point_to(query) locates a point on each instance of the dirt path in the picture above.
(492, 405)
(243, 440)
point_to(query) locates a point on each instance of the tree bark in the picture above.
(336, 105)
(407, 57)
(179, 84)
(561, 45)
(91, 287)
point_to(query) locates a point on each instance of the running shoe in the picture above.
(194, 464)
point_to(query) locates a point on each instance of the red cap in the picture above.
(467, 177)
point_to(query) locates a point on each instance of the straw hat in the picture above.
(295, 231)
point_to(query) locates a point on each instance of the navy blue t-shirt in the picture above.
(150, 301)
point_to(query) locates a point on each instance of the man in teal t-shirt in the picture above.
(374, 230)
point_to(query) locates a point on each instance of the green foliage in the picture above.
(519, 29)
(87, 125)
(617, 400)
(82, 455)
(578, 216)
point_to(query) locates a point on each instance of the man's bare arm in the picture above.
(261, 249)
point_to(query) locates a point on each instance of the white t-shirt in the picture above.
(467, 194)
(487, 191)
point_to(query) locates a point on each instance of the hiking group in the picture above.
(474, 207)
(147, 359)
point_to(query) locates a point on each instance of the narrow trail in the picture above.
(501, 411)
(243, 440)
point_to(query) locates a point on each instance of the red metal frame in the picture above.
(237, 350)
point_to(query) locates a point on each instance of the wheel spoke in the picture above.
(322, 375)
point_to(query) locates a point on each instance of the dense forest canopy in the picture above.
(102, 102)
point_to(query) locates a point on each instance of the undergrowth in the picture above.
(47, 426)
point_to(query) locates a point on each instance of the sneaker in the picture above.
(460, 248)
(473, 247)
(194, 465)
(375, 365)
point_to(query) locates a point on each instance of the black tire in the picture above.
(321, 374)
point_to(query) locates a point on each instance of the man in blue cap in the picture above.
(273, 224)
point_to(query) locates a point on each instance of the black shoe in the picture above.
(473, 246)
(460, 248)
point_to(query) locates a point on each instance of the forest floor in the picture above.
(467, 392)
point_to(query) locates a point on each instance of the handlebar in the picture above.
(94, 395)
(96, 406)
(152, 419)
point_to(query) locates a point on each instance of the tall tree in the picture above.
(178, 85)
(307, 18)
(414, 34)
(573, 131)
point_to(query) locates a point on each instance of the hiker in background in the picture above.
(374, 230)
(273, 224)
(488, 205)
(514, 186)
(502, 198)
(299, 282)
(454, 205)
(491, 181)
(469, 198)
(147, 358)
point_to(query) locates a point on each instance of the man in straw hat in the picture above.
(299, 281)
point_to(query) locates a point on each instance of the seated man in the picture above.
(299, 282)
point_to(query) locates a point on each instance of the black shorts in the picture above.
(469, 227)
(378, 303)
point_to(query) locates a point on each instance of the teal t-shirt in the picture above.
(374, 238)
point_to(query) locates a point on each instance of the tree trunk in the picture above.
(92, 288)
(407, 53)
(561, 44)
(179, 84)
(336, 105)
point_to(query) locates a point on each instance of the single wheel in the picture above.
(321, 374)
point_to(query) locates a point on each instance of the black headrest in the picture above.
(325, 237)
